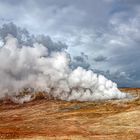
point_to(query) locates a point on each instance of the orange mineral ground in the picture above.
(52, 119)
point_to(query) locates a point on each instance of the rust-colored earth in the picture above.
(43, 119)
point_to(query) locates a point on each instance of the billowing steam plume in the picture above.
(33, 67)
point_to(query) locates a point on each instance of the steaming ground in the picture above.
(74, 120)
(33, 68)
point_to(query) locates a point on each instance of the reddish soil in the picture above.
(53, 119)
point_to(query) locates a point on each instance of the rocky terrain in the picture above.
(55, 119)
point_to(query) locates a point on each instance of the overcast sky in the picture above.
(107, 31)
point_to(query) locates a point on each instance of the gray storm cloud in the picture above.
(81, 60)
(33, 67)
(24, 37)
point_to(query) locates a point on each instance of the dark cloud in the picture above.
(81, 60)
(51, 45)
(25, 38)
(20, 33)
(100, 58)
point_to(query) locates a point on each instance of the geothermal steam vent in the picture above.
(31, 67)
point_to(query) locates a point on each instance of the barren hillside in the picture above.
(53, 119)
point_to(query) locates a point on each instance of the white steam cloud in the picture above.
(32, 67)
